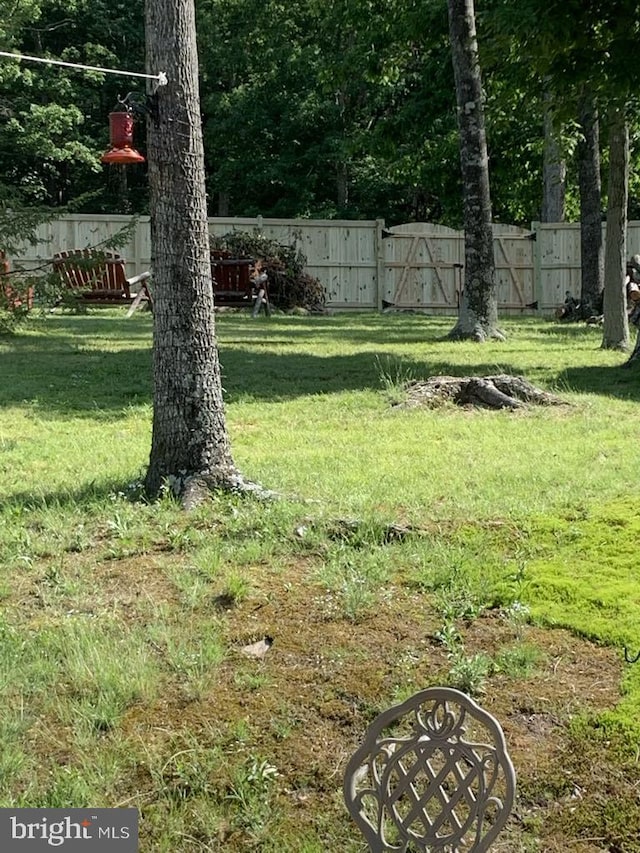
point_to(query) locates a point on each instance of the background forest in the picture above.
(318, 110)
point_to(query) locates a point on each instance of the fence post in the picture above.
(537, 266)
(379, 246)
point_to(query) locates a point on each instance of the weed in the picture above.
(462, 590)
(193, 654)
(449, 636)
(68, 788)
(353, 582)
(470, 673)
(191, 771)
(518, 616)
(195, 591)
(251, 793)
(394, 377)
(517, 661)
(236, 588)
(251, 680)
(179, 539)
(459, 604)
(14, 760)
(101, 681)
(208, 560)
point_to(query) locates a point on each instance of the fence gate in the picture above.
(424, 267)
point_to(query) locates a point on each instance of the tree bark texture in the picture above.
(478, 318)
(554, 169)
(190, 444)
(615, 330)
(590, 188)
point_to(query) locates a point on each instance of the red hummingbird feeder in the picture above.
(121, 139)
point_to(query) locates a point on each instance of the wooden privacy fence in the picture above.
(364, 265)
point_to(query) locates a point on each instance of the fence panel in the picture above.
(340, 253)
(81, 230)
(557, 263)
(424, 267)
(515, 274)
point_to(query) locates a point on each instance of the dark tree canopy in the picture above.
(313, 109)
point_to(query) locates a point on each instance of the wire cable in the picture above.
(160, 78)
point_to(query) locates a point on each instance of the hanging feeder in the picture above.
(121, 139)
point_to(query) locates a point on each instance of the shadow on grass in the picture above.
(280, 376)
(99, 384)
(70, 381)
(100, 366)
(94, 493)
(608, 381)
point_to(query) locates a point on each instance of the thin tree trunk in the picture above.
(615, 332)
(590, 187)
(342, 170)
(190, 448)
(478, 318)
(342, 185)
(554, 169)
(223, 203)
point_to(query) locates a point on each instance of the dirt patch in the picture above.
(305, 704)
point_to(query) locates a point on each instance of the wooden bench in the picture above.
(234, 283)
(100, 278)
(231, 279)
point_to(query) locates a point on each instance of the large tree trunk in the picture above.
(478, 318)
(554, 169)
(615, 332)
(190, 446)
(590, 186)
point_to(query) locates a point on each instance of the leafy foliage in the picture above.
(342, 110)
(54, 120)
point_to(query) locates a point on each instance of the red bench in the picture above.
(231, 279)
(234, 283)
(100, 278)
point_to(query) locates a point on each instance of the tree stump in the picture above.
(487, 392)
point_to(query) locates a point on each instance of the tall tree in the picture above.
(554, 168)
(478, 318)
(190, 449)
(615, 332)
(590, 188)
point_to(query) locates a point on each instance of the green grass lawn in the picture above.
(515, 576)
